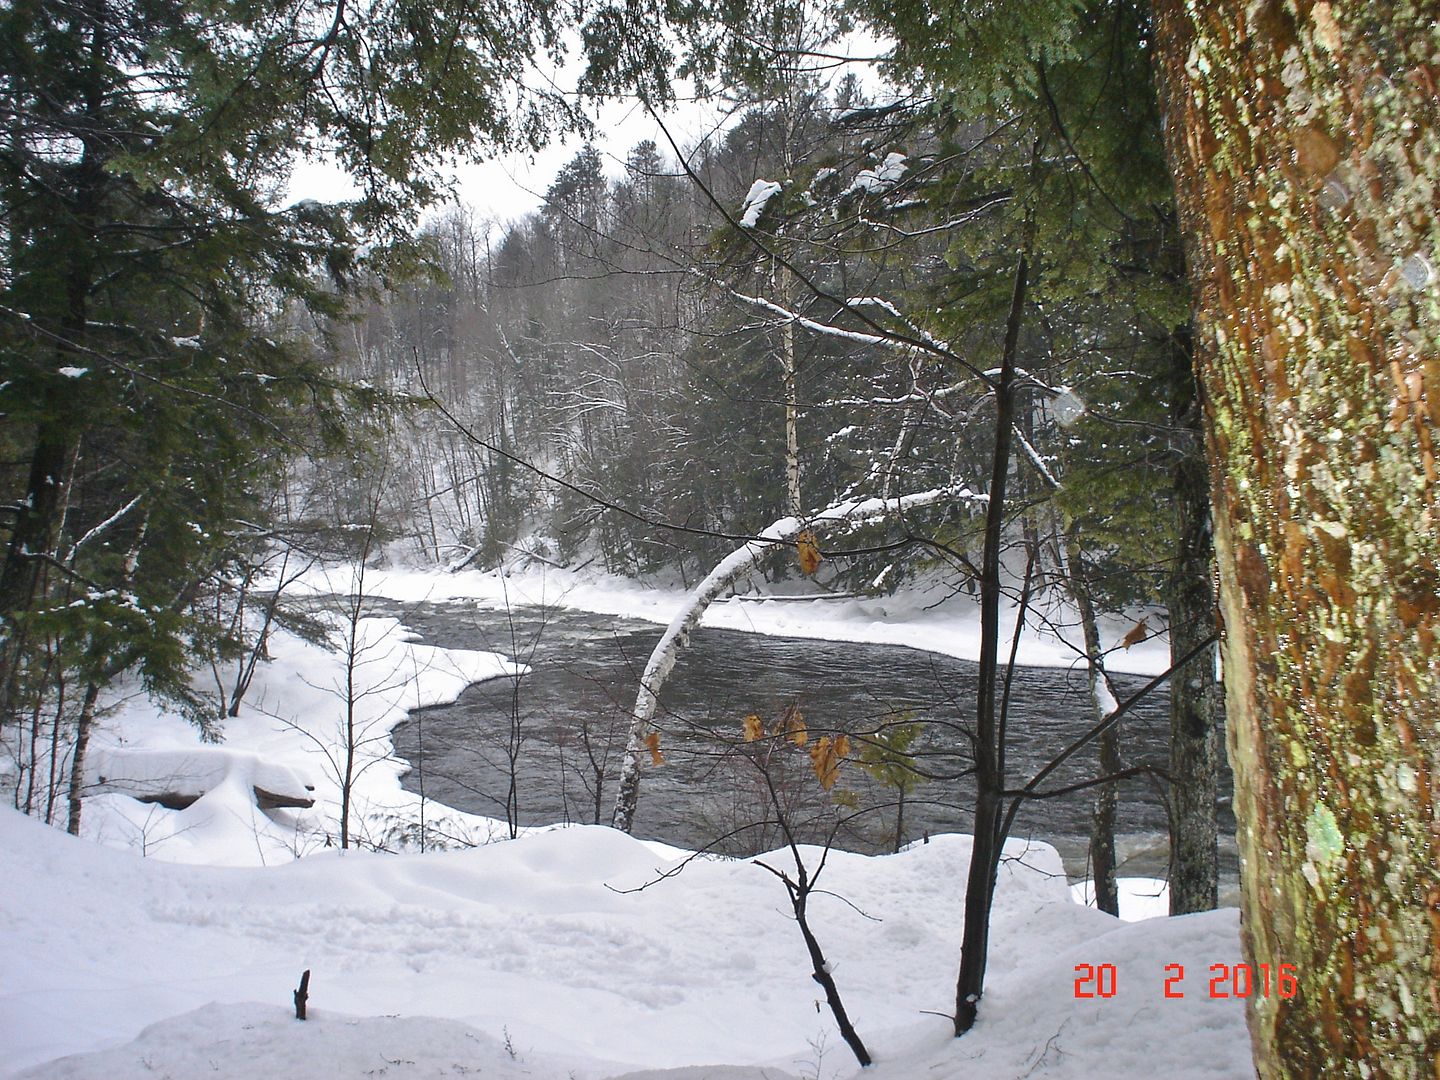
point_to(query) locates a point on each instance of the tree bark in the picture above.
(1303, 139)
(77, 762)
(1103, 863)
(792, 404)
(1196, 709)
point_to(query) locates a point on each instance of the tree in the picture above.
(1303, 141)
(888, 755)
(1071, 85)
(785, 531)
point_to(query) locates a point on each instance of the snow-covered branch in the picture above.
(1035, 459)
(98, 529)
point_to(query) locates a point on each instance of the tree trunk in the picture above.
(1103, 864)
(32, 538)
(1195, 706)
(989, 773)
(77, 763)
(1303, 139)
(792, 405)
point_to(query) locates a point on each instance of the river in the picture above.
(564, 723)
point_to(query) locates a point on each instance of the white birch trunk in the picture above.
(667, 649)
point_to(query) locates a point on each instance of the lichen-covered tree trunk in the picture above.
(1304, 140)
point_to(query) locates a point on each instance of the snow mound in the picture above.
(708, 1072)
(178, 778)
(245, 1041)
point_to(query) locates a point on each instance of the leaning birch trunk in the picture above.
(662, 660)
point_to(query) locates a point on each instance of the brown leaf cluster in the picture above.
(808, 546)
(652, 743)
(791, 726)
(826, 756)
(1138, 633)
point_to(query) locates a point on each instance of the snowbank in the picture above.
(178, 778)
(288, 740)
(430, 965)
(935, 619)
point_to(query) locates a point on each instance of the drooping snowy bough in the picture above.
(849, 514)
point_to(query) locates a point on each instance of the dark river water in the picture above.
(564, 727)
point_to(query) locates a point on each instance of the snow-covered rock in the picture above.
(178, 778)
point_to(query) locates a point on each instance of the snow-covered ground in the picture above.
(176, 955)
(291, 724)
(432, 965)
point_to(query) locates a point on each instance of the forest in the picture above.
(1095, 335)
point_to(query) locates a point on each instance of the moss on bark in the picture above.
(1304, 139)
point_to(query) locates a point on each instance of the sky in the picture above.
(508, 186)
(511, 185)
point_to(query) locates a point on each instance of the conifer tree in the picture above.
(158, 302)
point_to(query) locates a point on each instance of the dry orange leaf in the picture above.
(1138, 633)
(825, 760)
(652, 743)
(795, 727)
(754, 729)
(809, 550)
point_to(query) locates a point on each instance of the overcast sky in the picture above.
(509, 186)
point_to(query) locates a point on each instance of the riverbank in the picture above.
(933, 617)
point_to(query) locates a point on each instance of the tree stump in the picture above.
(302, 995)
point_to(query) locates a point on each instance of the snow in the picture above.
(430, 965)
(756, 199)
(1105, 699)
(286, 738)
(196, 771)
(880, 179)
(1140, 897)
(73, 372)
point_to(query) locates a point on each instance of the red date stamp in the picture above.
(1226, 980)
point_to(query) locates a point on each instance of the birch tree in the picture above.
(847, 514)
